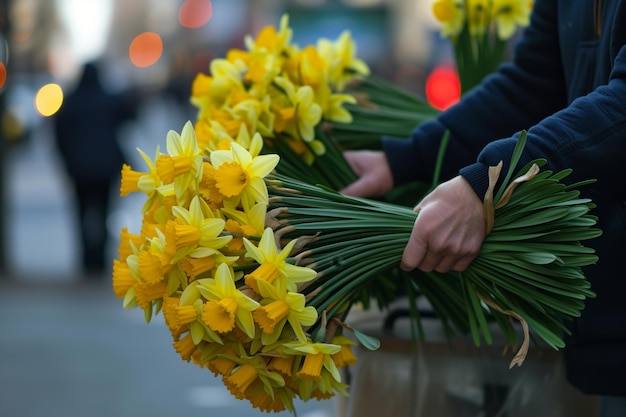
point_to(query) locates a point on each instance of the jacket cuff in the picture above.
(478, 176)
(401, 155)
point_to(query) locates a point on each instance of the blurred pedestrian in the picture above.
(86, 133)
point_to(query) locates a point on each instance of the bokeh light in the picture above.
(145, 49)
(195, 13)
(48, 99)
(3, 74)
(443, 88)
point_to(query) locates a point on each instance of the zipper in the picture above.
(597, 14)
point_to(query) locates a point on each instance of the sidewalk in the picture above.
(71, 350)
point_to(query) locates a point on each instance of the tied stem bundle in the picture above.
(528, 269)
(381, 109)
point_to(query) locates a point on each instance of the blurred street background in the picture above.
(67, 347)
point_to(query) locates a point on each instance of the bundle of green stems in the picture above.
(528, 272)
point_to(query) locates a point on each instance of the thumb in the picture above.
(356, 189)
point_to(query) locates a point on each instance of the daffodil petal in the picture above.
(253, 252)
(267, 290)
(306, 317)
(297, 329)
(220, 156)
(267, 245)
(263, 165)
(240, 154)
(246, 323)
(297, 273)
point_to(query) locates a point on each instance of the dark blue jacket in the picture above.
(566, 86)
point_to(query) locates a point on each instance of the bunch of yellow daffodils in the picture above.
(480, 31)
(284, 93)
(228, 292)
(255, 268)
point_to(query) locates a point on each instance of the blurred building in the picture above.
(55, 37)
(47, 41)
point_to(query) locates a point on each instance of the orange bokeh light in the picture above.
(3, 74)
(443, 88)
(195, 13)
(145, 49)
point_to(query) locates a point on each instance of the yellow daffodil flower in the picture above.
(247, 222)
(306, 114)
(255, 116)
(194, 267)
(312, 68)
(216, 362)
(273, 264)
(509, 15)
(178, 316)
(451, 15)
(195, 232)
(199, 330)
(279, 399)
(201, 85)
(332, 104)
(250, 376)
(240, 173)
(128, 243)
(146, 293)
(226, 305)
(340, 56)
(345, 357)
(153, 260)
(478, 16)
(227, 120)
(316, 357)
(323, 389)
(283, 364)
(208, 187)
(147, 182)
(185, 347)
(124, 277)
(280, 306)
(183, 163)
(227, 76)
(271, 40)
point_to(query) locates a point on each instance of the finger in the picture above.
(430, 262)
(358, 188)
(352, 160)
(445, 264)
(413, 253)
(463, 263)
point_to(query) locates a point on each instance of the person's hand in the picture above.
(449, 229)
(372, 168)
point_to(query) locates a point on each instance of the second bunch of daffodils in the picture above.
(480, 31)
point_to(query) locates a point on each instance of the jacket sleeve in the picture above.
(516, 97)
(589, 136)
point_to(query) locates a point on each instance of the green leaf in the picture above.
(368, 342)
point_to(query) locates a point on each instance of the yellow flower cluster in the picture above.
(277, 89)
(227, 291)
(204, 257)
(505, 16)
